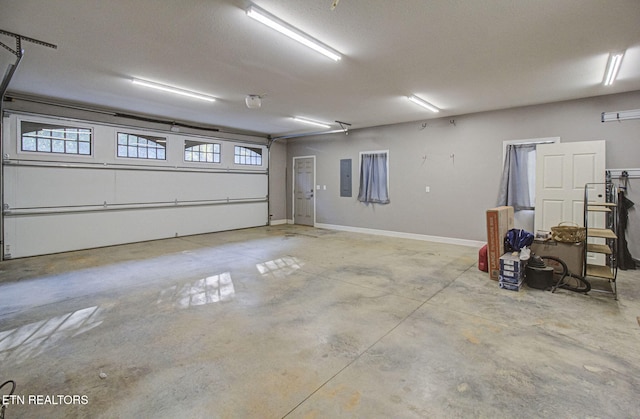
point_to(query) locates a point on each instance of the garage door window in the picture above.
(50, 138)
(201, 152)
(251, 156)
(141, 146)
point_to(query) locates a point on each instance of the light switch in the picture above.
(318, 187)
(427, 189)
(324, 187)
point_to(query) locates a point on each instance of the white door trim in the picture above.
(546, 140)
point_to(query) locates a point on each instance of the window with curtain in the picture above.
(517, 187)
(374, 177)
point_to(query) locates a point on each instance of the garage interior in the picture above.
(185, 231)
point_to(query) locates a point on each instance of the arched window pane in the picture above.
(198, 151)
(51, 138)
(251, 156)
(141, 147)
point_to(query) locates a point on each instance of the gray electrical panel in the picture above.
(345, 177)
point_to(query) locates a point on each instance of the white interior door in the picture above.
(562, 170)
(303, 191)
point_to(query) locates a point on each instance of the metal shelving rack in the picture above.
(608, 246)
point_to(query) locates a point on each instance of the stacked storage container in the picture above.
(511, 271)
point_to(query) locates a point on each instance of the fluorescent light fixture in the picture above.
(171, 89)
(311, 122)
(415, 99)
(293, 33)
(621, 115)
(613, 66)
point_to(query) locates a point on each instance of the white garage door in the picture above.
(72, 185)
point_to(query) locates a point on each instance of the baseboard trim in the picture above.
(401, 235)
(278, 222)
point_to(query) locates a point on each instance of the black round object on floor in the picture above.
(539, 278)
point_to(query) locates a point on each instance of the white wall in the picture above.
(277, 183)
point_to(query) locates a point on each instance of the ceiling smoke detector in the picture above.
(253, 101)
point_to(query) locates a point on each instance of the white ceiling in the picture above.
(463, 56)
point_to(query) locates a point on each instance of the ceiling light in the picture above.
(613, 66)
(171, 89)
(620, 115)
(423, 103)
(293, 33)
(311, 122)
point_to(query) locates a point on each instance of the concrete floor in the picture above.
(297, 322)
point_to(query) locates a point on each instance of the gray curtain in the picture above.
(514, 187)
(373, 179)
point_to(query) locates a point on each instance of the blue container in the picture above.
(510, 286)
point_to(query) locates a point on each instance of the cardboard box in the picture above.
(499, 222)
(570, 253)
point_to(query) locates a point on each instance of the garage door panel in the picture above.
(44, 234)
(158, 186)
(54, 186)
(59, 202)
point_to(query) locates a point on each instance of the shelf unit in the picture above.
(601, 240)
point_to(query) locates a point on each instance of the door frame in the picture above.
(526, 218)
(536, 141)
(293, 188)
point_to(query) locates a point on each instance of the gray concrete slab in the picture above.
(296, 322)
